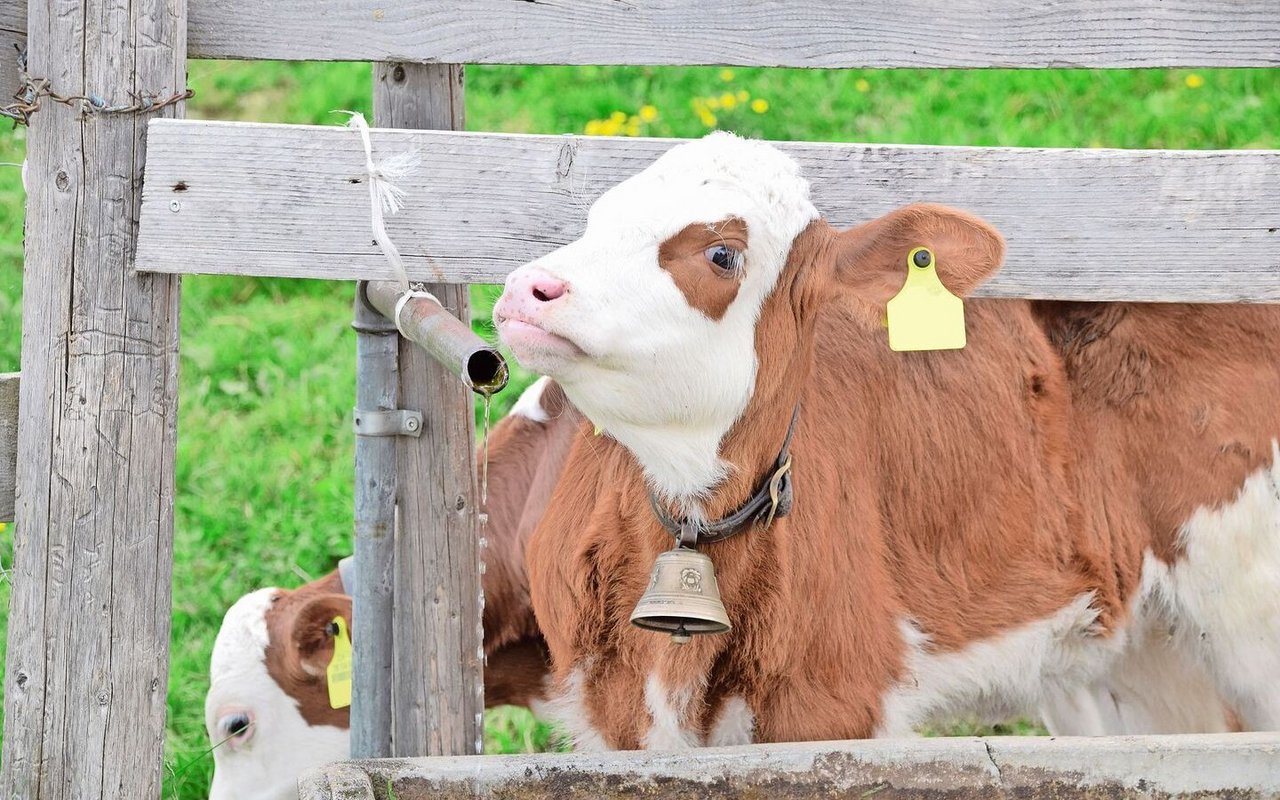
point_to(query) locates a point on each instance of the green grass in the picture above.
(264, 450)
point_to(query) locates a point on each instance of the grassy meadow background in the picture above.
(264, 446)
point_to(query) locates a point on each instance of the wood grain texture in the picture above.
(1081, 224)
(8, 442)
(819, 33)
(438, 683)
(13, 20)
(13, 38)
(88, 630)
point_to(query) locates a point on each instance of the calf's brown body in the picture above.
(962, 495)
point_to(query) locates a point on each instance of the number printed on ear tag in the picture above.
(339, 669)
(924, 315)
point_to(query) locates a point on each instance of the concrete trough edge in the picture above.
(1192, 766)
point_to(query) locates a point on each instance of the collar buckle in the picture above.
(779, 492)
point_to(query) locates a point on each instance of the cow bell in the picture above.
(683, 597)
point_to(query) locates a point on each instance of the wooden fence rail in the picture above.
(1157, 225)
(819, 33)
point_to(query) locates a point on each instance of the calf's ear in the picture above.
(311, 639)
(871, 259)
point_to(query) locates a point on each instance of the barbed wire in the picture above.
(26, 101)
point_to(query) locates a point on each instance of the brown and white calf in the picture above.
(267, 711)
(1019, 524)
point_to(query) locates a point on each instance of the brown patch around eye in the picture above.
(684, 256)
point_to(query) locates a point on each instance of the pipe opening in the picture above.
(485, 372)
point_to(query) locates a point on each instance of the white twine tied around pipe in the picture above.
(387, 198)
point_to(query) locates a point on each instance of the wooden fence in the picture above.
(1081, 224)
(819, 33)
(88, 633)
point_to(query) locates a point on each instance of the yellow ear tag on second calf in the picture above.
(339, 670)
(924, 315)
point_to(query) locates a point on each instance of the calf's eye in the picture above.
(237, 727)
(726, 260)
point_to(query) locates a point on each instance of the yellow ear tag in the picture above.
(924, 315)
(339, 670)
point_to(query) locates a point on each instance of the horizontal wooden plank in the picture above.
(816, 33)
(238, 198)
(8, 443)
(1235, 765)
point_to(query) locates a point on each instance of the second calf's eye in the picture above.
(725, 259)
(236, 727)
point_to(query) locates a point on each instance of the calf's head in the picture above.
(691, 275)
(267, 712)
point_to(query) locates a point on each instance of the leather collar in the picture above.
(772, 498)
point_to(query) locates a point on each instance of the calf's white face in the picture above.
(648, 320)
(261, 741)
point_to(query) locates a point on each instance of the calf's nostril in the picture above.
(546, 290)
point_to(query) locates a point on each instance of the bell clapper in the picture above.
(681, 636)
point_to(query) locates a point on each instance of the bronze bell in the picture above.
(683, 597)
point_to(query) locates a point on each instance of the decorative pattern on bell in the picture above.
(683, 598)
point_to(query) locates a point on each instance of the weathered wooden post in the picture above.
(437, 685)
(89, 619)
(10, 80)
(8, 442)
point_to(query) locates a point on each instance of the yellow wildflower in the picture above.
(726, 74)
(708, 119)
(648, 113)
(728, 100)
(862, 85)
(743, 95)
(605, 127)
(618, 117)
(1194, 81)
(759, 105)
(712, 103)
(633, 126)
